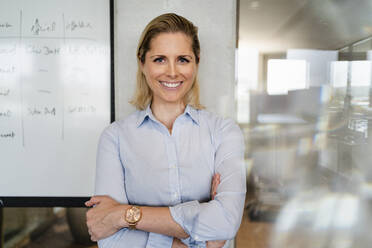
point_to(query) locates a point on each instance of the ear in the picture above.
(141, 66)
(197, 66)
(198, 59)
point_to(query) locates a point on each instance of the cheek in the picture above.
(154, 73)
(189, 73)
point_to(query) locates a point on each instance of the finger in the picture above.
(93, 201)
(88, 203)
(93, 238)
(213, 194)
(217, 181)
(214, 176)
(214, 181)
(213, 188)
(90, 234)
(218, 177)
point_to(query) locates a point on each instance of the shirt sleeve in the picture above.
(110, 181)
(109, 169)
(219, 219)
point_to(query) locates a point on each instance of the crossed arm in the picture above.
(106, 218)
(217, 219)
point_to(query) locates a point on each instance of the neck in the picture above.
(167, 113)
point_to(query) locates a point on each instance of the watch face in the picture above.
(133, 214)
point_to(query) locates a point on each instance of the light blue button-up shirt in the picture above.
(139, 162)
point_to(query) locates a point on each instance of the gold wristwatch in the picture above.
(133, 215)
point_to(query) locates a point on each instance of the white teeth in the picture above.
(170, 85)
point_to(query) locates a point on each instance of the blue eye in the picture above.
(183, 60)
(159, 60)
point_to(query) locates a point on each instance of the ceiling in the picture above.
(276, 25)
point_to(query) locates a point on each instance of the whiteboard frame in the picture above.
(66, 201)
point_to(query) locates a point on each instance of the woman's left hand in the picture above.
(216, 180)
(105, 218)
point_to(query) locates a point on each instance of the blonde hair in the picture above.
(166, 23)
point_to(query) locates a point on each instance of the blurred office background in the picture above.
(304, 102)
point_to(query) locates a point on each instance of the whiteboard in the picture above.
(55, 82)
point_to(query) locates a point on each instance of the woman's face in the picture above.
(170, 67)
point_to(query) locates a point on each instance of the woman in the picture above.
(164, 157)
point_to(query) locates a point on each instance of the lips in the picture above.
(171, 85)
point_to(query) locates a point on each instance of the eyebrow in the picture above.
(186, 56)
(159, 55)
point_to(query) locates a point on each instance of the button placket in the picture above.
(173, 171)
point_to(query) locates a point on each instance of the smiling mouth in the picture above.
(171, 85)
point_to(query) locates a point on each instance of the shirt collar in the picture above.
(147, 113)
(193, 113)
(143, 115)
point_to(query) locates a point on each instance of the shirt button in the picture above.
(175, 195)
(173, 166)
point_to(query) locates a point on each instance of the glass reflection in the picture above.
(306, 110)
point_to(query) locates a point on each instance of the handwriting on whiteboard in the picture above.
(81, 109)
(4, 92)
(7, 135)
(77, 25)
(37, 28)
(5, 113)
(5, 25)
(45, 91)
(43, 50)
(8, 50)
(36, 50)
(7, 70)
(51, 111)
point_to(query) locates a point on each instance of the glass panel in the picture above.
(305, 104)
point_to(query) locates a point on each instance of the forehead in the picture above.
(171, 43)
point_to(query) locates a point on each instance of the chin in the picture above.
(172, 100)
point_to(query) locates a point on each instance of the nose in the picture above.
(172, 70)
